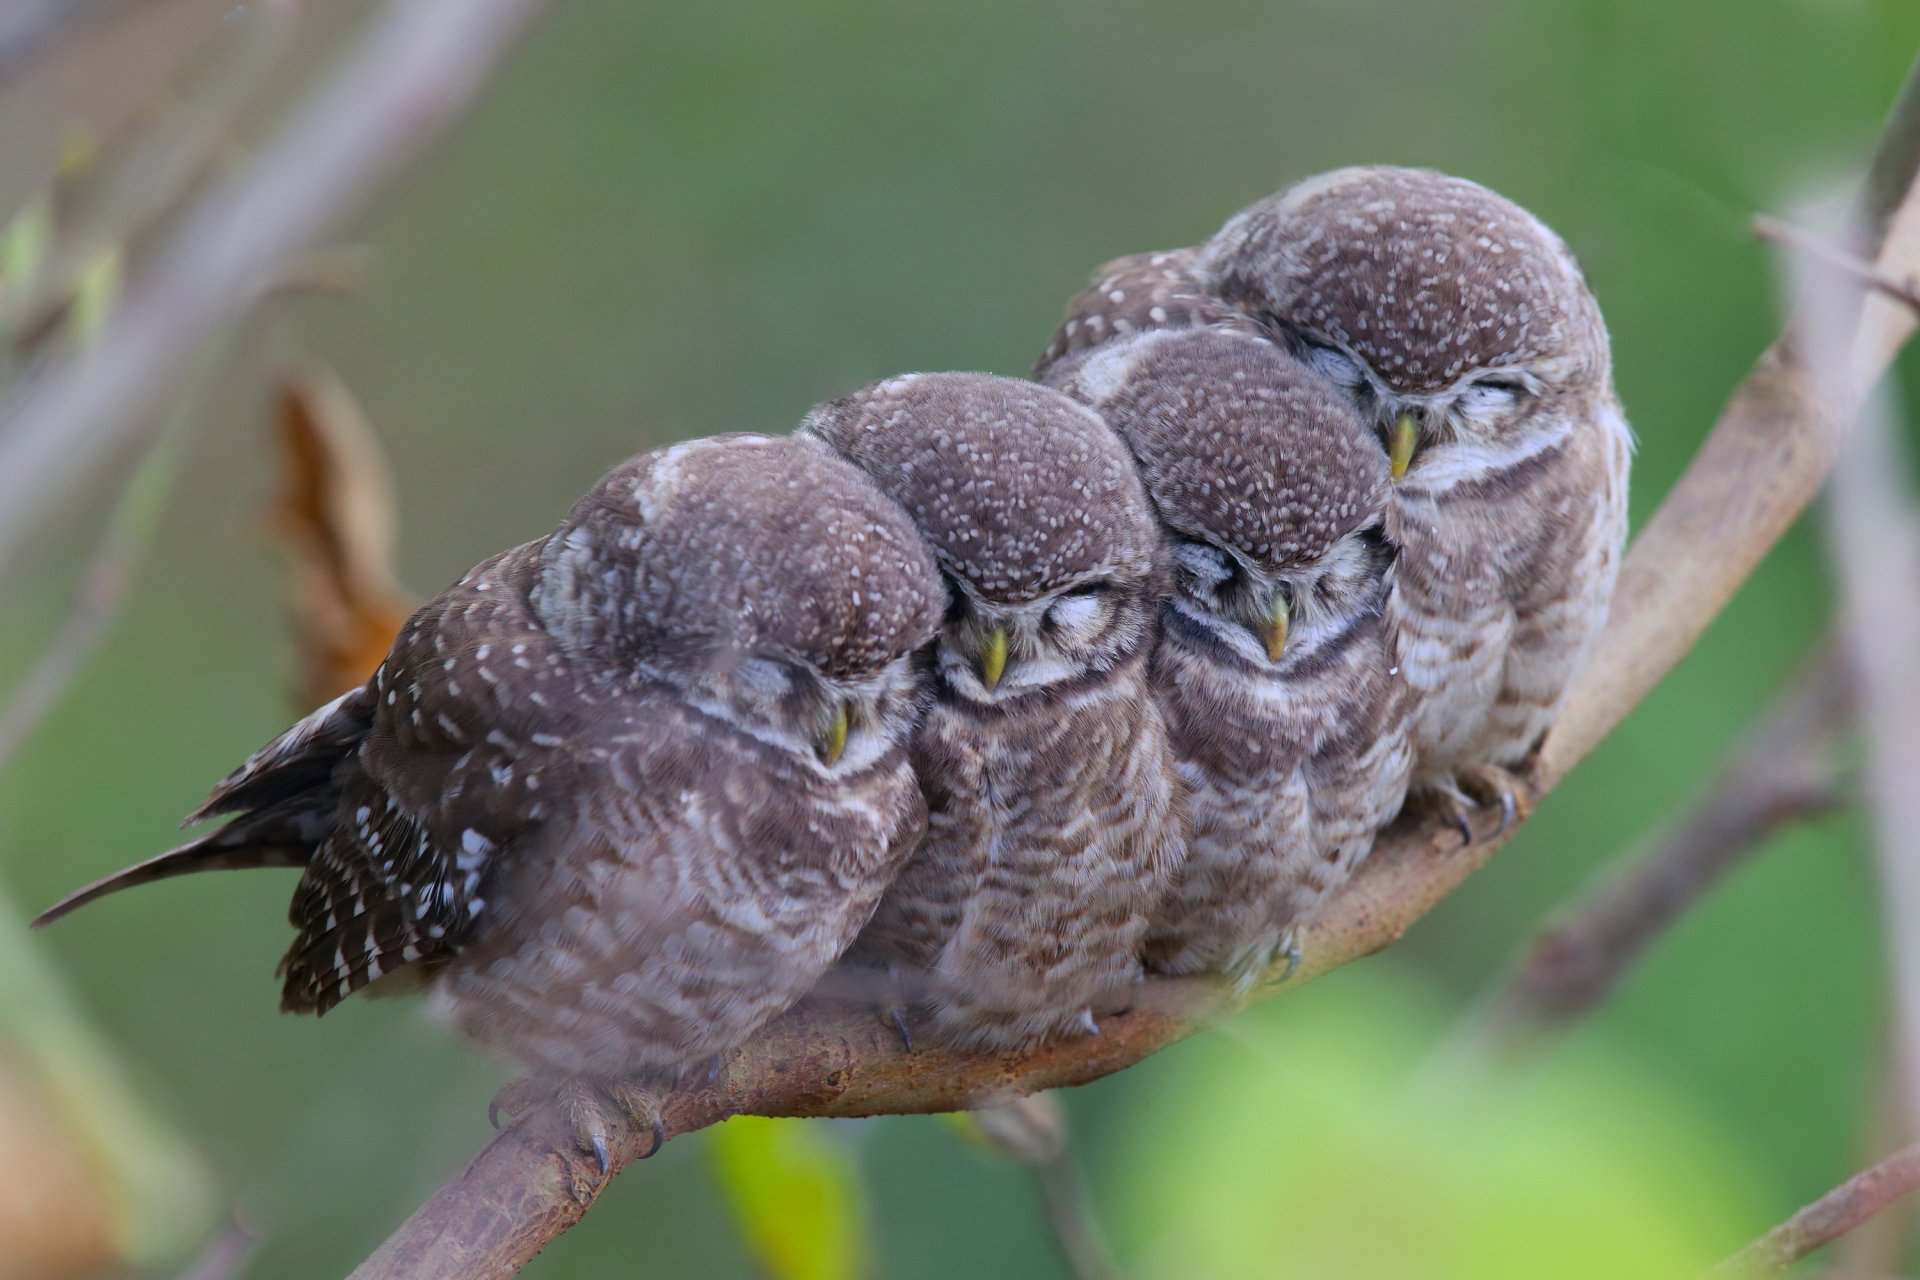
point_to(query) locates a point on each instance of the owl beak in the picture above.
(993, 658)
(1401, 442)
(1274, 630)
(833, 739)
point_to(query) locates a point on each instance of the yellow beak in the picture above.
(1401, 444)
(833, 740)
(1275, 632)
(993, 658)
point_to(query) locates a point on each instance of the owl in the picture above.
(1053, 809)
(1464, 331)
(1275, 669)
(1159, 290)
(620, 795)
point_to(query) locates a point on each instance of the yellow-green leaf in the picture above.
(796, 1195)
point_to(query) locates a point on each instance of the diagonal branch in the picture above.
(1784, 773)
(1758, 468)
(1842, 1209)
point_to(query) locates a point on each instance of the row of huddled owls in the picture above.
(977, 693)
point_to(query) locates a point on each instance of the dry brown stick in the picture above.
(1842, 1209)
(412, 75)
(1757, 469)
(1784, 772)
(1832, 255)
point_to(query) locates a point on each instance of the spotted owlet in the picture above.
(1053, 821)
(1160, 290)
(620, 794)
(1274, 669)
(1463, 329)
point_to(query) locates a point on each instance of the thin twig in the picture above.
(1842, 1209)
(1756, 471)
(1033, 1131)
(414, 73)
(1785, 772)
(1792, 237)
(227, 1254)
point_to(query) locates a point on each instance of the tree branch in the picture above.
(1758, 468)
(1830, 1217)
(415, 72)
(1784, 773)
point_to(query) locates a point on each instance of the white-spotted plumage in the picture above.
(1053, 809)
(1275, 670)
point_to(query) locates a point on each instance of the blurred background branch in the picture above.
(413, 73)
(1787, 771)
(1849, 1205)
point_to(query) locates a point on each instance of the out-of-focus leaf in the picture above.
(94, 294)
(796, 1195)
(144, 1187)
(336, 516)
(1302, 1151)
(53, 1209)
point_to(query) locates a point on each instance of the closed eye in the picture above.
(1077, 609)
(1333, 364)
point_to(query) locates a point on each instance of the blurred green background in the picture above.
(668, 221)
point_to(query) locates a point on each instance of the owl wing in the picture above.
(470, 713)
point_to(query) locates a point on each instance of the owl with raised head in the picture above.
(620, 795)
(1275, 668)
(1164, 289)
(1462, 328)
(1053, 816)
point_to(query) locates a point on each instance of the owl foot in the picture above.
(1088, 1023)
(1481, 786)
(1288, 952)
(593, 1109)
(897, 1019)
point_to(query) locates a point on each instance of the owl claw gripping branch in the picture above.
(981, 692)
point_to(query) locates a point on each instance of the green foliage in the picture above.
(796, 1195)
(1316, 1146)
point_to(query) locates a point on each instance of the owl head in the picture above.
(1033, 510)
(1270, 482)
(767, 581)
(1454, 318)
(1159, 290)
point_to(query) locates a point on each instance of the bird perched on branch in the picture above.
(1053, 824)
(1463, 329)
(1275, 669)
(622, 794)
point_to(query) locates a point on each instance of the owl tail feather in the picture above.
(281, 836)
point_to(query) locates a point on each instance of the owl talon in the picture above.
(1088, 1024)
(1490, 785)
(1288, 950)
(898, 1019)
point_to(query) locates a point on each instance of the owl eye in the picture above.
(1493, 395)
(1078, 607)
(1336, 365)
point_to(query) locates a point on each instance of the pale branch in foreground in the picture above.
(417, 69)
(1785, 772)
(1756, 471)
(1847, 1206)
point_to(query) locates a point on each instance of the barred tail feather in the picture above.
(282, 836)
(299, 761)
